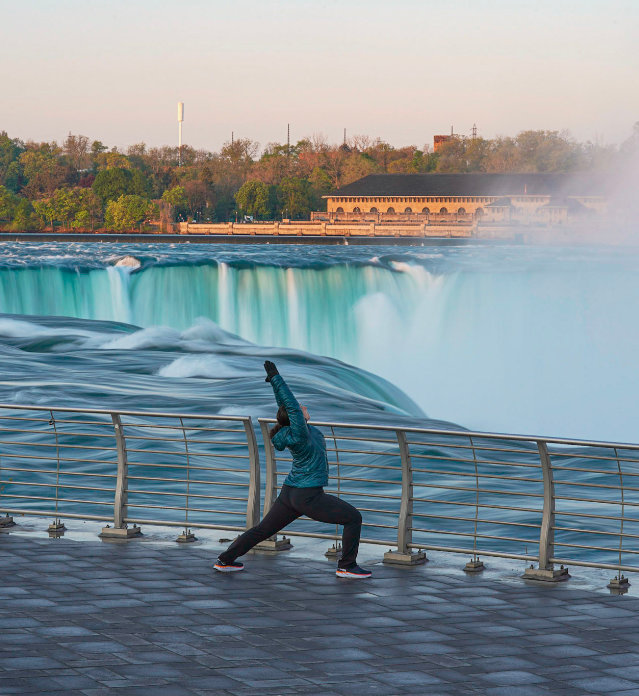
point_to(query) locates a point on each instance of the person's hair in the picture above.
(282, 420)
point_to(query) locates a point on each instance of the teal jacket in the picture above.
(306, 442)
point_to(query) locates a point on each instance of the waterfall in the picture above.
(544, 348)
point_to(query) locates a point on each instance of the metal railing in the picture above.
(128, 467)
(547, 501)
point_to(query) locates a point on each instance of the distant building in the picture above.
(466, 198)
(439, 140)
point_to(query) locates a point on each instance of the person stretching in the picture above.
(303, 489)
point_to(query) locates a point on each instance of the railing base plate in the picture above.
(405, 559)
(7, 521)
(618, 585)
(474, 566)
(282, 544)
(546, 575)
(186, 538)
(334, 551)
(120, 532)
(56, 528)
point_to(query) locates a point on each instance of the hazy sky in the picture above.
(401, 70)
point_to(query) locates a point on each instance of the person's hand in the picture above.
(271, 370)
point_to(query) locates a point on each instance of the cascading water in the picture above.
(503, 339)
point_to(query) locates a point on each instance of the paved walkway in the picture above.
(93, 618)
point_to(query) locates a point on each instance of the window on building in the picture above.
(391, 210)
(461, 211)
(408, 210)
(356, 210)
(443, 210)
(373, 209)
(479, 212)
(340, 210)
(426, 211)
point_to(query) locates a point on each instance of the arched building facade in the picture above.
(465, 198)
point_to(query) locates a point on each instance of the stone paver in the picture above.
(93, 618)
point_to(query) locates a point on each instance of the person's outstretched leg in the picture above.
(322, 507)
(277, 518)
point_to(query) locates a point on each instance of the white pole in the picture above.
(180, 120)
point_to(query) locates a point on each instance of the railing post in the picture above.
(404, 555)
(270, 492)
(546, 570)
(7, 520)
(253, 502)
(187, 536)
(120, 507)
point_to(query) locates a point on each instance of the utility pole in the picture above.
(232, 138)
(474, 131)
(344, 137)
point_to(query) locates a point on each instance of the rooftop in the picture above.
(474, 184)
(83, 617)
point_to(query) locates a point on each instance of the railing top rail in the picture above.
(470, 433)
(108, 411)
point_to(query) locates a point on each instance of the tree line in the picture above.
(84, 185)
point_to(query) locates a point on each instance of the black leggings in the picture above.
(293, 503)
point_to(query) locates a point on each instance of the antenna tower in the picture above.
(180, 121)
(474, 131)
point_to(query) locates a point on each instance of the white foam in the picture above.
(201, 366)
(155, 337)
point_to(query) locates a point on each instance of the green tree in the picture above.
(110, 184)
(253, 199)
(295, 197)
(127, 211)
(174, 196)
(24, 216)
(10, 151)
(8, 202)
(45, 210)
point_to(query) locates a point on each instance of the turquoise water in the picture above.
(503, 339)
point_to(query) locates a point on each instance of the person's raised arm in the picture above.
(284, 397)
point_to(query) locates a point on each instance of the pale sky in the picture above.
(114, 69)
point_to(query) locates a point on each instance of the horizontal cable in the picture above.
(184, 509)
(479, 520)
(54, 472)
(58, 513)
(192, 481)
(472, 474)
(438, 501)
(599, 501)
(66, 500)
(27, 484)
(477, 490)
(472, 535)
(6, 455)
(617, 534)
(56, 445)
(595, 548)
(182, 494)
